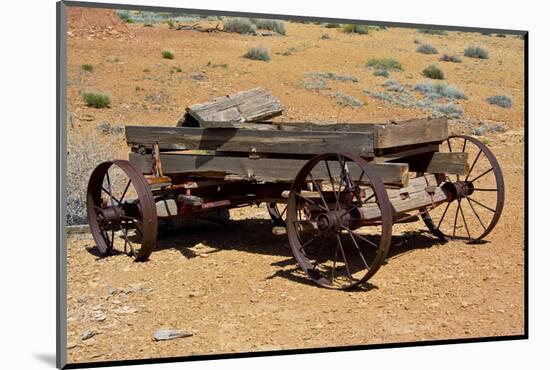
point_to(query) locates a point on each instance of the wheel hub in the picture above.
(332, 220)
(458, 190)
(110, 215)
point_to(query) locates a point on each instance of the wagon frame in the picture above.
(334, 181)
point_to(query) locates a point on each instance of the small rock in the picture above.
(71, 345)
(87, 334)
(100, 316)
(104, 127)
(198, 76)
(167, 334)
(118, 129)
(111, 290)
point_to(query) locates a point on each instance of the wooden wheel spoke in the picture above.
(482, 189)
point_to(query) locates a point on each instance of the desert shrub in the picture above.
(346, 100)
(87, 67)
(434, 72)
(82, 158)
(355, 28)
(501, 35)
(332, 25)
(333, 76)
(439, 90)
(146, 70)
(239, 25)
(315, 84)
(426, 49)
(450, 58)
(500, 100)
(450, 110)
(476, 52)
(384, 63)
(166, 54)
(325, 36)
(125, 16)
(176, 70)
(170, 23)
(96, 99)
(429, 31)
(147, 25)
(393, 85)
(270, 24)
(381, 72)
(258, 53)
(402, 99)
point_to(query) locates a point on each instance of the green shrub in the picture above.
(87, 67)
(501, 35)
(426, 49)
(166, 54)
(96, 99)
(381, 72)
(476, 52)
(385, 63)
(239, 25)
(333, 76)
(450, 58)
(431, 31)
(393, 85)
(175, 70)
(355, 28)
(332, 25)
(433, 72)
(170, 23)
(270, 25)
(147, 25)
(500, 100)
(258, 53)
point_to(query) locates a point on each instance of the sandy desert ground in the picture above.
(238, 288)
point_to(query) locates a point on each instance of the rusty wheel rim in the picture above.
(339, 254)
(474, 215)
(121, 210)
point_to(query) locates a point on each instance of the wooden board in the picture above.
(389, 135)
(410, 133)
(438, 162)
(409, 198)
(265, 169)
(246, 141)
(245, 106)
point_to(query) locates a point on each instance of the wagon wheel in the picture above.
(323, 228)
(478, 197)
(121, 210)
(277, 212)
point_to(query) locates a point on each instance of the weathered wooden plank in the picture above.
(413, 132)
(245, 106)
(240, 140)
(404, 151)
(438, 162)
(387, 135)
(265, 169)
(409, 198)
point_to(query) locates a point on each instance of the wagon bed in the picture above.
(342, 185)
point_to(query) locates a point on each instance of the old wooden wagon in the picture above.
(336, 190)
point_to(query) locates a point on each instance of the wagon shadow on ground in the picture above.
(255, 236)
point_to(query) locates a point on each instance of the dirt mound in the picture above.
(96, 23)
